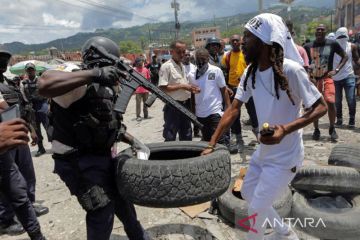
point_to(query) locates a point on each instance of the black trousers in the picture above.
(210, 124)
(77, 171)
(15, 190)
(176, 123)
(41, 117)
(250, 107)
(24, 162)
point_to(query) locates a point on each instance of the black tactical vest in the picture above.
(32, 92)
(11, 95)
(89, 124)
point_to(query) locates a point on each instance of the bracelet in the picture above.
(212, 147)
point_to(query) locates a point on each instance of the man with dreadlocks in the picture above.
(279, 86)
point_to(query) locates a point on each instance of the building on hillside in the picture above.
(200, 35)
(348, 14)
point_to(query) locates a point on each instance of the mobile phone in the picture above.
(10, 113)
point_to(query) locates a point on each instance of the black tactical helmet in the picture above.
(212, 40)
(5, 54)
(91, 59)
(4, 59)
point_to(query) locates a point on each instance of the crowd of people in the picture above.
(280, 83)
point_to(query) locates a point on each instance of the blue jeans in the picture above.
(349, 85)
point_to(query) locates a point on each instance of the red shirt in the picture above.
(146, 73)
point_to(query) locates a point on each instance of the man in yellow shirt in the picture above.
(235, 64)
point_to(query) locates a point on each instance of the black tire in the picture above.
(345, 155)
(327, 224)
(175, 175)
(332, 179)
(229, 205)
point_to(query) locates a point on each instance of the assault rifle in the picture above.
(133, 81)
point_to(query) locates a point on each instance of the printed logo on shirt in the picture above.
(211, 76)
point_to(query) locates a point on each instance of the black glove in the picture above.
(108, 76)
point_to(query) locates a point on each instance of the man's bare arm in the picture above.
(344, 58)
(317, 110)
(183, 86)
(226, 97)
(56, 83)
(355, 54)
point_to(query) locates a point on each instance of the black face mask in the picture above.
(202, 67)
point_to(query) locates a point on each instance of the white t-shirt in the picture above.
(347, 70)
(189, 68)
(209, 100)
(290, 151)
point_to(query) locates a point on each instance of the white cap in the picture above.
(271, 28)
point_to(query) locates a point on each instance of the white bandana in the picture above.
(342, 32)
(271, 28)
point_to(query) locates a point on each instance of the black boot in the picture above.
(41, 150)
(40, 209)
(36, 235)
(11, 228)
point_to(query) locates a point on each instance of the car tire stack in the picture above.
(233, 208)
(342, 179)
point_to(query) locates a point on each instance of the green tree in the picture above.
(130, 47)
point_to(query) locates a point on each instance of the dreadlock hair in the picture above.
(276, 59)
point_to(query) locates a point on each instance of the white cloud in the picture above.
(37, 21)
(51, 20)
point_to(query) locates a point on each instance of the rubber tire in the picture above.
(346, 155)
(338, 225)
(174, 182)
(230, 204)
(339, 180)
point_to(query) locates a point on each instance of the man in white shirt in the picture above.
(345, 77)
(173, 81)
(279, 88)
(209, 102)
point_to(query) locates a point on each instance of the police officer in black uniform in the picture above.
(13, 186)
(85, 129)
(30, 93)
(21, 154)
(213, 45)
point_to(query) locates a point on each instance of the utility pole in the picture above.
(227, 24)
(176, 6)
(260, 6)
(214, 21)
(149, 33)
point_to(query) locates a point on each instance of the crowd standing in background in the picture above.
(259, 71)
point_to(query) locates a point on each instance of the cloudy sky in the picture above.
(37, 21)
